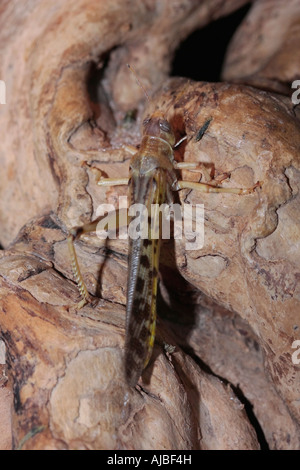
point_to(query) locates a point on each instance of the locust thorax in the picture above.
(156, 149)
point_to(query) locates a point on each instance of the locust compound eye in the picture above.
(165, 126)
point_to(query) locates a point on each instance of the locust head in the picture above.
(157, 126)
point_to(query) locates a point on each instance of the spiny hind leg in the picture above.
(76, 232)
(73, 235)
(110, 222)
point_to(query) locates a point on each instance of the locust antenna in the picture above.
(139, 82)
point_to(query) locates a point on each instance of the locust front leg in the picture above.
(204, 170)
(101, 181)
(211, 185)
(208, 188)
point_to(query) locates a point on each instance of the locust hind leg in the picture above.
(76, 232)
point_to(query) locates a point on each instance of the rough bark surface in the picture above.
(265, 49)
(230, 382)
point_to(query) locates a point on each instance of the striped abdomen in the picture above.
(143, 277)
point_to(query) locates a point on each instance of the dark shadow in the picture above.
(95, 90)
(248, 407)
(106, 251)
(99, 100)
(177, 304)
(201, 56)
(252, 418)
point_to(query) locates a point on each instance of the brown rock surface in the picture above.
(69, 94)
(265, 49)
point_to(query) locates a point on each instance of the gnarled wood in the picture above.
(71, 91)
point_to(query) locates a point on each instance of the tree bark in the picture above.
(230, 382)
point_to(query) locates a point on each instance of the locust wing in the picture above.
(143, 277)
